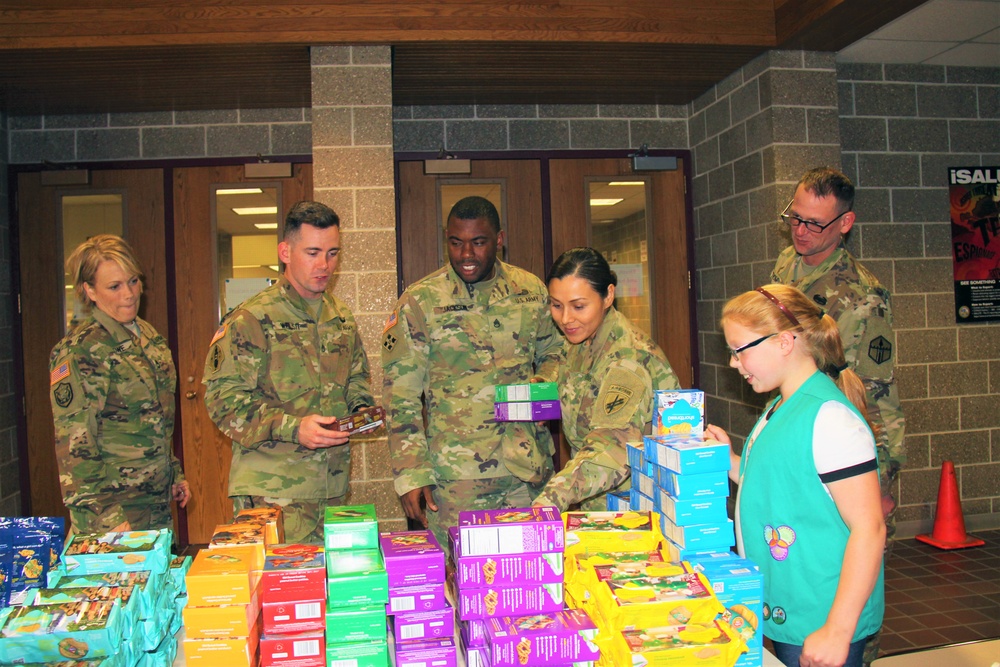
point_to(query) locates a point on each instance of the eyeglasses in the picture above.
(794, 221)
(754, 343)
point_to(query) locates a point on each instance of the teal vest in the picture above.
(791, 527)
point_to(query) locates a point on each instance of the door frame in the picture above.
(544, 157)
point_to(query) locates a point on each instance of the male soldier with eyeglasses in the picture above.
(818, 218)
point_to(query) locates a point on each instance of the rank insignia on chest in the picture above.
(63, 394)
(616, 398)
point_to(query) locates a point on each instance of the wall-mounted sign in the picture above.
(975, 242)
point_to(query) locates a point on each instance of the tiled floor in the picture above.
(935, 597)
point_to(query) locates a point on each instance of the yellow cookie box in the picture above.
(228, 620)
(652, 601)
(229, 535)
(591, 569)
(230, 651)
(611, 531)
(269, 517)
(714, 644)
(222, 576)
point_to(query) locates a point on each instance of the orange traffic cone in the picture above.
(949, 525)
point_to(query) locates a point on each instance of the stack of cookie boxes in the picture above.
(29, 549)
(648, 611)
(421, 620)
(357, 588)
(739, 585)
(293, 601)
(508, 562)
(107, 600)
(683, 476)
(222, 619)
(537, 401)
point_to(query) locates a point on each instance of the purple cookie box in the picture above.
(421, 625)
(427, 597)
(509, 531)
(526, 411)
(560, 637)
(510, 600)
(477, 656)
(436, 652)
(509, 569)
(412, 558)
(473, 632)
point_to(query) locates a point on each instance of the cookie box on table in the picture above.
(691, 486)
(358, 654)
(647, 601)
(228, 651)
(618, 501)
(429, 653)
(483, 603)
(356, 578)
(306, 649)
(346, 625)
(542, 639)
(585, 582)
(269, 517)
(526, 411)
(610, 531)
(350, 527)
(473, 632)
(280, 618)
(739, 586)
(675, 552)
(146, 587)
(700, 536)
(225, 620)
(504, 570)
(639, 502)
(117, 552)
(124, 594)
(687, 455)
(637, 457)
(709, 509)
(49, 633)
(222, 576)
(434, 624)
(713, 644)
(476, 656)
(229, 535)
(678, 411)
(581, 565)
(643, 481)
(293, 572)
(416, 598)
(510, 531)
(412, 558)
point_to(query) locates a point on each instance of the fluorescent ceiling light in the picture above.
(239, 191)
(265, 225)
(605, 202)
(627, 183)
(256, 210)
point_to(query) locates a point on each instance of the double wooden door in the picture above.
(179, 254)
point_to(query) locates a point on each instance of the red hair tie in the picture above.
(781, 306)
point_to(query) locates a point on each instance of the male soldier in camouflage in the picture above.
(112, 389)
(282, 368)
(819, 216)
(453, 336)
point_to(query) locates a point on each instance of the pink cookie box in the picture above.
(431, 653)
(412, 558)
(293, 572)
(422, 625)
(503, 570)
(542, 639)
(416, 598)
(282, 618)
(495, 601)
(299, 650)
(473, 632)
(510, 531)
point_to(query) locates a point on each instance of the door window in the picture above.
(247, 225)
(620, 229)
(81, 217)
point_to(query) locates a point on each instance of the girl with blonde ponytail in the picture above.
(808, 506)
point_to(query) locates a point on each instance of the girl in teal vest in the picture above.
(808, 509)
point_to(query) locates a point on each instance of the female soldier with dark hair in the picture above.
(606, 385)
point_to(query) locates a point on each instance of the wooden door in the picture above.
(420, 214)
(670, 245)
(207, 452)
(40, 248)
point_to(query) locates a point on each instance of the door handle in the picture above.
(190, 394)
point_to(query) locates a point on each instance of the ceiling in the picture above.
(664, 69)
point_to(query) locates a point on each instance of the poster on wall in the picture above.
(975, 242)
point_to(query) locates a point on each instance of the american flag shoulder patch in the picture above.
(61, 372)
(391, 322)
(220, 332)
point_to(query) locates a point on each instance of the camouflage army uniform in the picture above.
(606, 393)
(271, 364)
(113, 407)
(451, 344)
